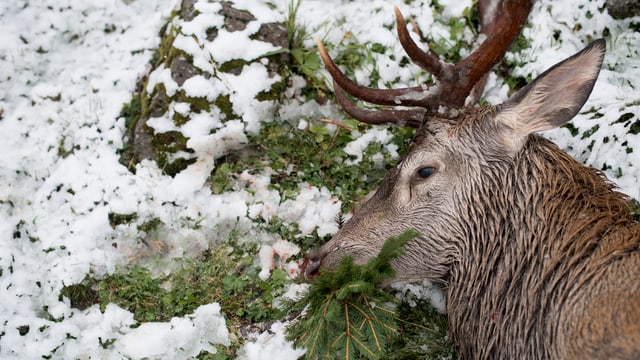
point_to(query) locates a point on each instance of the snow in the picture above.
(356, 147)
(184, 337)
(410, 292)
(313, 208)
(269, 345)
(66, 69)
(283, 250)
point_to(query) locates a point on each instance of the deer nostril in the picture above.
(312, 269)
(311, 265)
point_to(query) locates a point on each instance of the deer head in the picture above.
(458, 164)
(433, 104)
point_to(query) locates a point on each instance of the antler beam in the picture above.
(456, 85)
(411, 118)
(389, 97)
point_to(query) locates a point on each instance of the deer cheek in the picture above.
(404, 195)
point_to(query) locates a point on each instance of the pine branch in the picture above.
(348, 314)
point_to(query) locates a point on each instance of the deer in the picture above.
(538, 255)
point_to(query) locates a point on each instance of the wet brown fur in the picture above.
(554, 272)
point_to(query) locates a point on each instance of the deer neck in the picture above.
(519, 264)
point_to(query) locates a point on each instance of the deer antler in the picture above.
(456, 85)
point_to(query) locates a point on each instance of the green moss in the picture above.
(82, 295)
(274, 93)
(590, 132)
(634, 128)
(572, 129)
(624, 118)
(132, 111)
(63, 152)
(116, 219)
(166, 144)
(223, 103)
(234, 65)
(199, 104)
(170, 141)
(165, 52)
(176, 166)
(150, 225)
(179, 119)
(196, 105)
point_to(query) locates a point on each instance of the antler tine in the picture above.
(425, 60)
(501, 22)
(411, 118)
(413, 96)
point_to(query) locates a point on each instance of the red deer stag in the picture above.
(538, 255)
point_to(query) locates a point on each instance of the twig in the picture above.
(336, 123)
(416, 28)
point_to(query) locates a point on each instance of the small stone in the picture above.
(23, 330)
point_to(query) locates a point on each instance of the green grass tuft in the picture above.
(228, 277)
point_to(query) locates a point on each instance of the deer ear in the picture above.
(554, 97)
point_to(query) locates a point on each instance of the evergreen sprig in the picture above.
(347, 313)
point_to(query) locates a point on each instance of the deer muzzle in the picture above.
(310, 265)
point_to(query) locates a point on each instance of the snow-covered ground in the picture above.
(66, 69)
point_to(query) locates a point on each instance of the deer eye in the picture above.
(425, 172)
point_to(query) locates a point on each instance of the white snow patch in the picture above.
(426, 290)
(270, 344)
(313, 209)
(283, 250)
(162, 75)
(199, 86)
(180, 338)
(357, 147)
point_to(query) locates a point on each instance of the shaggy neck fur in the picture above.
(519, 264)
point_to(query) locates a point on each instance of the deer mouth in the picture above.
(310, 265)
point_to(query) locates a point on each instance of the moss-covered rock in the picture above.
(190, 91)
